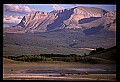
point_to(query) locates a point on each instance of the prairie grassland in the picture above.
(18, 69)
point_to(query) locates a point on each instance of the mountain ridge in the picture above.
(64, 19)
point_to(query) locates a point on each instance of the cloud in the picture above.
(17, 8)
(57, 7)
(12, 19)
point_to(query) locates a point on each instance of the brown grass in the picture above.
(20, 67)
(91, 77)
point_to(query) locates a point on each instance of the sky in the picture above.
(13, 13)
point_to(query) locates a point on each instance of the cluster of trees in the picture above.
(43, 57)
(58, 57)
(55, 55)
(82, 59)
(29, 58)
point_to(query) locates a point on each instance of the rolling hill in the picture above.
(68, 41)
(107, 54)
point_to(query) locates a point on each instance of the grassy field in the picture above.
(18, 69)
(60, 42)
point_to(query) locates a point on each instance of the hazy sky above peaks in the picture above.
(13, 13)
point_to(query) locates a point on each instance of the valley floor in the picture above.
(17, 71)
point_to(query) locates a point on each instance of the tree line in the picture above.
(59, 57)
(54, 57)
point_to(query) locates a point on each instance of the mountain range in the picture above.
(89, 20)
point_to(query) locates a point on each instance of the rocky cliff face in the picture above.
(84, 18)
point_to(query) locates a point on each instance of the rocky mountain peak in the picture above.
(90, 11)
(78, 17)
